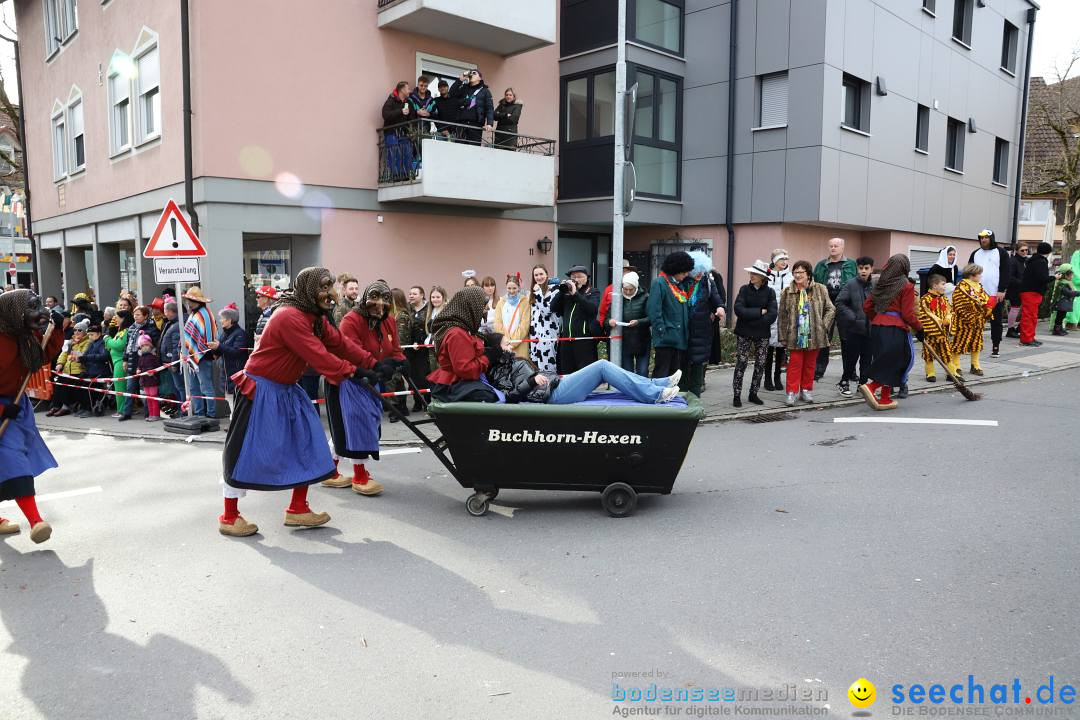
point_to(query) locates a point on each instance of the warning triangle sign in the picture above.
(173, 237)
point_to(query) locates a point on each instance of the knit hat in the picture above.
(83, 325)
(145, 339)
(1065, 268)
(631, 278)
(231, 312)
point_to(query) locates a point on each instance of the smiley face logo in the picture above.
(862, 693)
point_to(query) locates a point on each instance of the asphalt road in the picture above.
(801, 551)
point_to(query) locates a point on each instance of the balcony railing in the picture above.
(450, 162)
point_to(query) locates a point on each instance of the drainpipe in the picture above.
(1023, 128)
(27, 228)
(732, 24)
(185, 54)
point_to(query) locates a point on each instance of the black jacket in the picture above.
(636, 340)
(169, 347)
(1017, 265)
(850, 315)
(417, 329)
(477, 106)
(1036, 275)
(96, 361)
(702, 325)
(507, 116)
(447, 108)
(230, 349)
(578, 312)
(517, 378)
(749, 321)
(392, 111)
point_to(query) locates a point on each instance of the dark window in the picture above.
(589, 106)
(954, 145)
(961, 24)
(587, 24)
(1009, 38)
(658, 23)
(657, 133)
(929, 6)
(922, 128)
(856, 103)
(587, 128)
(1001, 161)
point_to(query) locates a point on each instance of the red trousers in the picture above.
(800, 369)
(1029, 315)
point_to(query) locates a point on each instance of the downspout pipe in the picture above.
(28, 228)
(730, 188)
(185, 53)
(1023, 128)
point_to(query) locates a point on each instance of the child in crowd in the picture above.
(971, 307)
(1062, 296)
(148, 360)
(936, 318)
(97, 364)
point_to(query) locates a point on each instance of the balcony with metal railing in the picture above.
(503, 27)
(451, 163)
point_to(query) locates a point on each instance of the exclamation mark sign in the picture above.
(172, 223)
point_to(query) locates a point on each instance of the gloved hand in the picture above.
(386, 369)
(10, 412)
(369, 375)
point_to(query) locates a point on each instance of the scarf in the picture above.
(466, 310)
(894, 278)
(681, 295)
(943, 258)
(304, 296)
(374, 323)
(13, 305)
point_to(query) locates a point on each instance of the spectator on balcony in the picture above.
(397, 145)
(507, 115)
(477, 106)
(446, 109)
(421, 101)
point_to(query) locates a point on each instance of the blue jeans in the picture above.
(576, 386)
(202, 383)
(638, 364)
(178, 382)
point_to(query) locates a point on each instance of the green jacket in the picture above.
(821, 274)
(669, 317)
(115, 346)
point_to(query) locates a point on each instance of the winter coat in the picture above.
(71, 362)
(393, 111)
(477, 105)
(635, 340)
(749, 320)
(169, 347)
(850, 316)
(517, 378)
(1017, 265)
(447, 108)
(507, 116)
(131, 351)
(417, 330)
(96, 361)
(778, 281)
(116, 346)
(1063, 295)
(1036, 275)
(417, 103)
(230, 349)
(822, 314)
(848, 271)
(701, 321)
(668, 316)
(578, 312)
(145, 362)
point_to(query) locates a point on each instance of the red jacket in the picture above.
(461, 357)
(355, 327)
(12, 371)
(904, 303)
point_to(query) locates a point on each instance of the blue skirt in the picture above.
(355, 420)
(23, 453)
(276, 441)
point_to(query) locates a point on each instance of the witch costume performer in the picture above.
(891, 311)
(275, 440)
(23, 454)
(354, 411)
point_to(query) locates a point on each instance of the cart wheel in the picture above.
(477, 505)
(619, 499)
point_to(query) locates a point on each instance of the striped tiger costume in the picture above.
(970, 311)
(936, 318)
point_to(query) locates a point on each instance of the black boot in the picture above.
(737, 402)
(769, 371)
(755, 399)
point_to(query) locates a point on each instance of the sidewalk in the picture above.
(1057, 353)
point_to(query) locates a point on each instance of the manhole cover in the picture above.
(770, 417)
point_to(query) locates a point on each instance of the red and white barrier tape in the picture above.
(416, 346)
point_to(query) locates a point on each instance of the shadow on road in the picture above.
(75, 669)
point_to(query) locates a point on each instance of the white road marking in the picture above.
(401, 451)
(917, 421)
(59, 495)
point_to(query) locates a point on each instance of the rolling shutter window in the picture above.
(774, 99)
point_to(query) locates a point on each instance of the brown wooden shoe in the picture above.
(240, 528)
(308, 519)
(337, 482)
(371, 487)
(41, 532)
(9, 528)
(868, 395)
(892, 404)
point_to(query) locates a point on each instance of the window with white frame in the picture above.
(78, 139)
(61, 22)
(7, 155)
(119, 112)
(59, 143)
(1035, 212)
(147, 95)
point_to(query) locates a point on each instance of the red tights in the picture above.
(28, 505)
(298, 505)
(886, 391)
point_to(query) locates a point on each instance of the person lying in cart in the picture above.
(516, 380)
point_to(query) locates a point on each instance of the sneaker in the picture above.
(790, 400)
(668, 394)
(153, 418)
(903, 392)
(996, 351)
(117, 416)
(674, 378)
(807, 396)
(82, 414)
(1012, 333)
(844, 387)
(1033, 343)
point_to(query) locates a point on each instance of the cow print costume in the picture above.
(544, 328)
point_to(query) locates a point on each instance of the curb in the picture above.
(845, 402)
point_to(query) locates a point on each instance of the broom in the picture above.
(963, 389)
(26, 380)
